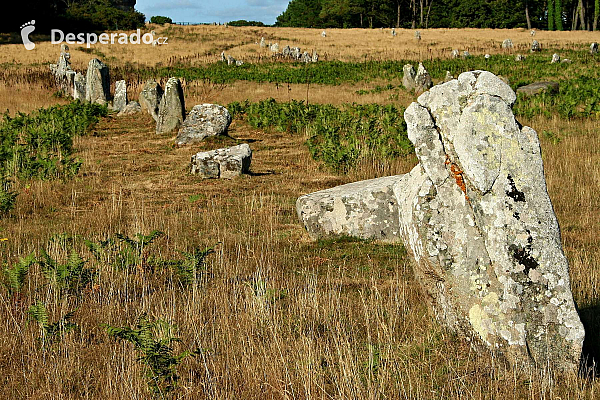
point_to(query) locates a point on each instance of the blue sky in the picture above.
(213, 10)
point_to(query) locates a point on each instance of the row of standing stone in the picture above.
(94, 86)
(292, 53)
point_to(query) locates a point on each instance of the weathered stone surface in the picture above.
(172, 107)
(323, 34)
(204, 120)
(465, 55)
(594, 48)
(63, 74)
(306, 57)
(262, 42)
(417, 35)
(408, 79)
(223, 57)
(455, 53)
(476, 216)
(366, 209)
(555, 58)
(275, 47)
(286, 51)
(538, 87)
(422, 79)
(519, 57)
(393, 32)
(224, 163)
(120, 99)
(315, 56)
(487, 56)
(79, 87)
(532, 33)
(535, 46)
(231, 60)
(295, 53)
(239, 62)
(133, 107)
(507, 44)
(150, 97)
(97, 85)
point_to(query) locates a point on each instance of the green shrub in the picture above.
(153, 341)
(158, 19)
(339, 137)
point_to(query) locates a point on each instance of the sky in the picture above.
(213, 10)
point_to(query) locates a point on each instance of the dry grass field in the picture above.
(274, 315)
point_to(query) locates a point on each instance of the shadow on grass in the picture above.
(590, 355)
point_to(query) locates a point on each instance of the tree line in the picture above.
(538, 14)
(75, 16)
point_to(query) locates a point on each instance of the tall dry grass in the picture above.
(275, 315)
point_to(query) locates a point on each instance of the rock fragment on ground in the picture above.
(366, 210)
(226, 163)
(204, 120)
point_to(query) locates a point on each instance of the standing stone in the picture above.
(532, 33)
(455, 53)
(97, 84)
(295, 53)
(306, 57)
(63, 74)
(417, 35)
(150, 97)
(239, 63)
(224, 163)
(422, 79)
(408, 79)
(487, 56)
(315, 56)
(323, 34)
(477, 218)
(519, 57)
(79, 83)
(393, 32)
(286, 51)
(594, 48)
(120, 99)
(507, 44)
(223, 56)
(535, 46)
(275, 47)
(366, 210)
(262, 42)
(555, 58)
(465, 55)
(203, 121)
(172, 108)
(231, 60)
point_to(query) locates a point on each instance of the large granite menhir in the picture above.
(477, 220)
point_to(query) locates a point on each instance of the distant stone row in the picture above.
(94, 86)
(291, 53)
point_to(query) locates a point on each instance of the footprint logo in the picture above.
(26, 29)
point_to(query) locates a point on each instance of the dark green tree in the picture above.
(558, 15)
(551, 15)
